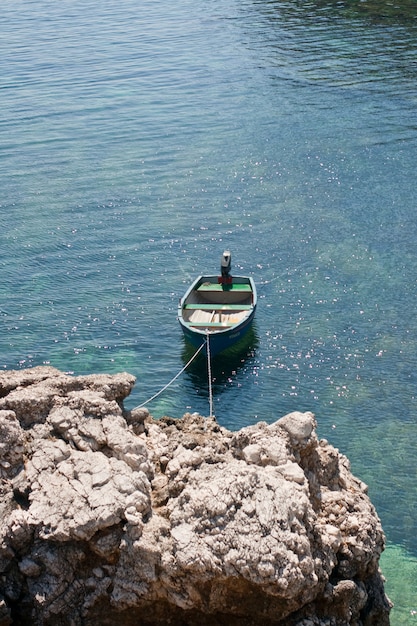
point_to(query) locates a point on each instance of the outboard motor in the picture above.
(225, 266)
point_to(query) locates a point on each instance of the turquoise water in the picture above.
(138, 140)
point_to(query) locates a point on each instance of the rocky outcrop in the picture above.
(111, 517)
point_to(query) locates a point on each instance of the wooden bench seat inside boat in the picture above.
(210, 324)
(218, 307)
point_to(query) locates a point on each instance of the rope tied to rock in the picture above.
(140, 406)
(209, 376)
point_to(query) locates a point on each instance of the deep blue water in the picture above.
(138, 140)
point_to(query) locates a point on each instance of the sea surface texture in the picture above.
(140, 139)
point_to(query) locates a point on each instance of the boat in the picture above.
(217, 311)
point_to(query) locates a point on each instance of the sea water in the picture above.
(139, 140)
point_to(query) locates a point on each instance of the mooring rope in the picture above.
(209, 376)
(174, 379)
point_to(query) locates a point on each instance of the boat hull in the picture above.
(218, 313)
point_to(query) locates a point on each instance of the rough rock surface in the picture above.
(111, 517)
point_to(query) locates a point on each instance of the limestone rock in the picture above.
(111, 517)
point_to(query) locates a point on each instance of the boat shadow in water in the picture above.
(224, 366)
